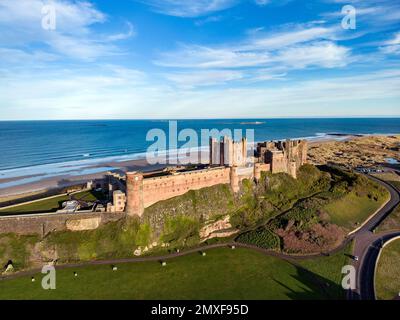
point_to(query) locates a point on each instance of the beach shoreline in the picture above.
(16, 188)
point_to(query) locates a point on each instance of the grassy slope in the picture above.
(353, 210)
(392, 222)
(222, 274)
(48, 205)
(388, 272)
(358, 205)
(330, 268)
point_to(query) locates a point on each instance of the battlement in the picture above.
(283, 156)
(142, 192)
(228, 152)
(229, 167)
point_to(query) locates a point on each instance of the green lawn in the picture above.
(48, 205)
(51, 205)
(330, 268)
(392, 222)
(352, 210)
(221, 274)
(387, 279)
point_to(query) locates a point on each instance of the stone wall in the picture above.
(143, 192)
(43, 224)
(162, 188)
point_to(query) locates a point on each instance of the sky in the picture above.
(144, 59)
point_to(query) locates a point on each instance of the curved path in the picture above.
(367, 245)
(175, 255)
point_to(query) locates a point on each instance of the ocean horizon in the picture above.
(34, 150)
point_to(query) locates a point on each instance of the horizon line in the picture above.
(217, 118)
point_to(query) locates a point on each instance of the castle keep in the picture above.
(283, 156)
(229, 164)
(228, 152)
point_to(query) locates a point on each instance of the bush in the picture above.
(262, 237)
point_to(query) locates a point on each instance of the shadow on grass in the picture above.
(314, 287)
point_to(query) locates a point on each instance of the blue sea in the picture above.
(47, 148)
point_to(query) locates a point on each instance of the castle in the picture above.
(283, 156)
(229, 164)
(228, 152)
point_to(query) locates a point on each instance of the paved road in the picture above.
(367, 246)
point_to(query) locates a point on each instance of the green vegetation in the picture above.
(387, 281)
(309, 214)
(113, 240)
(262, 238)
(222, 274)
(355, 199)
(354, 208)
(278, 212)
(392, 222)
(277, 193)
(16, 249)
(330, 268)
(47, 205)
(181, 229)
(52, 204)
(90, 196)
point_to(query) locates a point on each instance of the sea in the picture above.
(34, 150)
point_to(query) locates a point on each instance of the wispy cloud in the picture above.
(189, 8)
(392, 46)
(296, 47)
(21, 25)
(376, 14)
(125, 93)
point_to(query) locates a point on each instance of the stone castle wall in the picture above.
(162, 188)
(43, 224)
(144, 192)
(283, 156)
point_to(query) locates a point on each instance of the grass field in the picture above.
(352, 210)
(392, 222)
(387, 279)
(221, 274)
(51, 205)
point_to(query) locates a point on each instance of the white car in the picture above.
(356, 258)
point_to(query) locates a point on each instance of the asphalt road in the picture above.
(368, 244)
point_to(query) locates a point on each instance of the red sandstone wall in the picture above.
(165, 187)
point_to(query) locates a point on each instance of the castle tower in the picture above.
(293, 169)
(134, 194)
(257, 171)
(234, 177)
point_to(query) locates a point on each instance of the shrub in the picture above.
(262, 237)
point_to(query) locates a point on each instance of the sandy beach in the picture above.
(340, 149)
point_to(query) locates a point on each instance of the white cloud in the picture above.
(282, 50)
(204, 78)
(373, 15)
(125, 93)
(392, 46)
(262, 2)
(189, 8)
(21, 26)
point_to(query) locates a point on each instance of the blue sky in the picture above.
(198, 59)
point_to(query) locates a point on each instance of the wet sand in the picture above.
(321, 150)
(65, 180)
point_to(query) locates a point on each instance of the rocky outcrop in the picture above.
(220, 229)
(83, 224)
